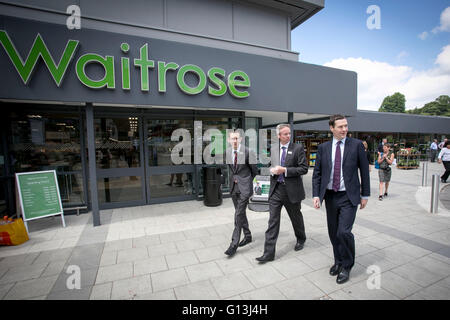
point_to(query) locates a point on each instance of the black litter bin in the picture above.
(212, 186)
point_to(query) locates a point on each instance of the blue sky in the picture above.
(339, 31)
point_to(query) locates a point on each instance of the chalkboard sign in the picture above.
(39, 195)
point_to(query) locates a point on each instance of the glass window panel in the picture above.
(119, 189)
(42, 141)
(117, 142)
(159, 140)
(71, 188)
(171, 185)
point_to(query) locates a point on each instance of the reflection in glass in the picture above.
(118, 189)
(71, 188)
(45, 142)
(171, 185)
(117, 142)
(159, 140)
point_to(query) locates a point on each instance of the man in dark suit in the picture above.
(335, 179)
(258, 189)
(242, 173)
(286, 189)
(381, 144)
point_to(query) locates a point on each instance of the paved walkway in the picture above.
(175, 251)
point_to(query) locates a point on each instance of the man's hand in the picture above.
(363, 203)
(316, 202)
(277, 170)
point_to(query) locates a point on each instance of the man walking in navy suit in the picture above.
(335, 179)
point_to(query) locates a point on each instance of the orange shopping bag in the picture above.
(13, 232)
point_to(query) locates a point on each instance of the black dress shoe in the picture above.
(231, 251)
(299, 245)
(245, 241)
(343, 276)
(335, 269)
(266, 258)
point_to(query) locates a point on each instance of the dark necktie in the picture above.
(337, 167)
(283, 157)
(235, 159)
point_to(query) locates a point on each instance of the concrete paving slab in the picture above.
(31, 288)
(169, 279)
(151, 265)
(231, 285)
(101, 291)
(299, 288)
(129, 288)
(266, 293)
(203, 271)
(202, 290)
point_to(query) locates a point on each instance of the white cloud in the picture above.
(423, 35)
(445, 21)
(443, 59)
(376, 80)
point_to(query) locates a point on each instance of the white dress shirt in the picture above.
(333, 153)
(444, 155)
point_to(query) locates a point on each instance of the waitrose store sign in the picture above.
(42, 61)
(215, 80)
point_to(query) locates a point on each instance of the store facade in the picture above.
(100, 103)
(400, 129)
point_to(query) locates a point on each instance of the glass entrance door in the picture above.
(167, 181)
(119, 160)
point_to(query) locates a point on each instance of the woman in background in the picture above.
(385, 159)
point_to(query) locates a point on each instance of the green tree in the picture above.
(394, 103)
(438, 107)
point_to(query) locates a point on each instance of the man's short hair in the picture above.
(446, 143)
(335, 117)
(234, 131)
(281, 126)
(387, 145)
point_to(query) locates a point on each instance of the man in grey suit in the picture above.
(286, 189)
(242, 173)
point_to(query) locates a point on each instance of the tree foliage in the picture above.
(394, 103)
(438, 107)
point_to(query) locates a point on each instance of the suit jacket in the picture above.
(296, 166)
(354, 158)
(243, 174)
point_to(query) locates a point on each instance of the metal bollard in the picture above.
(434, 193)
(424, 173)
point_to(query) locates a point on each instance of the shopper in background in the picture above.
(366, 149)
(382, 143)
(385, 159)
(444, 157)
(433, 150)
(442, 144)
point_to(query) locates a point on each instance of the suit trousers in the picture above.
(279, 199)
(240, 217)
(341, 214)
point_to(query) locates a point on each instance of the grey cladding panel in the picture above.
(261, 26)
(144, 12)
(203, 17)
